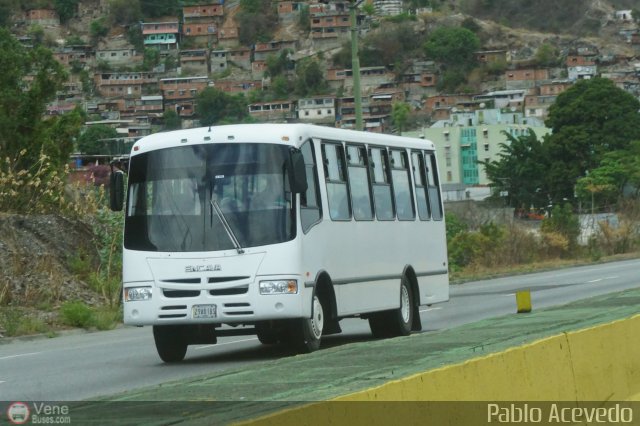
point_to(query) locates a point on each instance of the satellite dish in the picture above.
(454, 109)
(482, 105)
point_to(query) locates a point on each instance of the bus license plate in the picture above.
(203, 311)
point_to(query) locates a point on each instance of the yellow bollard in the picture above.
(523, 300)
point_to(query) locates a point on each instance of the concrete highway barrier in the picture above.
(584, 373)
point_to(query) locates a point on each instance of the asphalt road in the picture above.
(82, 366)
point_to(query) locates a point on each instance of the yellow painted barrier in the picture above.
(601, 363)
(523, 301)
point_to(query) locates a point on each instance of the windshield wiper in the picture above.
(232, 236)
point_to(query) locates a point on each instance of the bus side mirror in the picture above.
(116, 190)
(297, 173)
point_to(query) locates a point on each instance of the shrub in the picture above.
(76, 314)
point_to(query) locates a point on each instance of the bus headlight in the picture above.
(133, 294)
(279, 287)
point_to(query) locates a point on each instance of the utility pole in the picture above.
(355, 63)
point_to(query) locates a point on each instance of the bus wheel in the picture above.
(171, 342)
(396, 322)
(267, 334)
(401, 319)
(306, 332)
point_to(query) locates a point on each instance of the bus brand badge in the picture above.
(202, 268)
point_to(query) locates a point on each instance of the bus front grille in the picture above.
(174, 294)
(229, 291)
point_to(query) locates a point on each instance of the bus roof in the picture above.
(290, 134)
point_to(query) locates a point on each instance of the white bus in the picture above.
(279, 230)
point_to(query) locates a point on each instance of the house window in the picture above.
(486, 147)
(449, 177)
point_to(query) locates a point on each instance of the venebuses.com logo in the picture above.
(18, 413)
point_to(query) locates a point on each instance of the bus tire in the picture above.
(401, 319)
(267, 334)
(396, 322)
(307, 332)
(171, 342)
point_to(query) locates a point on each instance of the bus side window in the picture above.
(359, 182)
(336, 181)
(402, 185)
(310, 207)
(434, 186)
(420, 178)
(379, 164)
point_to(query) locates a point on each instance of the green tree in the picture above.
(124, 12)
(7, 8)
(519, 171)
(562, 221)
(310, 79)
(400, 115)
(23, 104)
(151, 58)
(453, 47)
(281, 87)
(257, 21)
(304, 19)
(157, 8)
(98, 29)
(171, 120)
(605, 184)
(215, 106)
(547, 55)
(66, 9)
(369, 9)
(588, 120)
(97, 139)
(277, 64)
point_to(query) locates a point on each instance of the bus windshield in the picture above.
(172, 193)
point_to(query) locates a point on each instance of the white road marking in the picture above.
(594, 281)
(431, 309)
(226, 343)
(18, 355)
(509, 294)
(3, 381)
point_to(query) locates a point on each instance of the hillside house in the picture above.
(440, 105)
(261, 51)
(388, 7)
(504, 98)
(330, 20)
(580, 67)
(275, 111)
(625, 16)
(240, 57)
(194, 62)
(118, 57)
(319, 109)
(493, 56)
(288, 7)
(228, 33)
(161, 35)
(218, 60)
(370, 78)
(258, 69)
(125, 84)
(82, 54)
(525, 78)
(201, 22)
(238, 86)
(152, 105)
(180, 93)
(45, 17)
